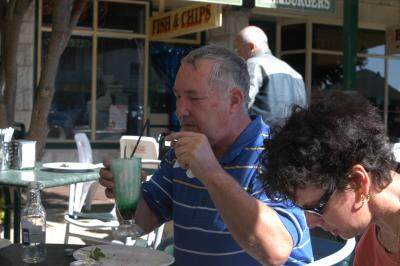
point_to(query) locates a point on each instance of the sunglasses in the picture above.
(319, 208)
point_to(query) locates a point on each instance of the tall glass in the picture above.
(127, 184)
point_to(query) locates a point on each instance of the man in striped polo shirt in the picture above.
(207, 184)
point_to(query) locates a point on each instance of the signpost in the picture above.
(324, 6)
(190, 19)
(393, 39)
(225, 2)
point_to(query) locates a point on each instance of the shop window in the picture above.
(394, 99)
(122, 16)
(269, 28)
(72, 87)
(294, 37)
(119, 72)
(119, 103)
(165, 60)
(296, 61)
(370, 79)
(327, 71)
(371, 42)
(85, 20)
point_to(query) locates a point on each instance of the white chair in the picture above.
(83, 193)
(107, 221)
(396, 151)
(80, 195)
(147, 149)
(336, 257)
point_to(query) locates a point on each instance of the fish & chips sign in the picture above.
(185, 20)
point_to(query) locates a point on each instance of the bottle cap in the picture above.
(34, 185)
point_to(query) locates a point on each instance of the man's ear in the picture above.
(360, 180)
(251, 48)
(236, 98)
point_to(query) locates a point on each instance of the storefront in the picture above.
(113, 75)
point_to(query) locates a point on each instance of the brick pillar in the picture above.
(25, 55)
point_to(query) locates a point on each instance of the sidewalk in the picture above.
(55, 201)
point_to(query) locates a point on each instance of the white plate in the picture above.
(71, 166)
(126, 255)
(151, 161)
(4, 243)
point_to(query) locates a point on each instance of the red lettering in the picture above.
(161, 25)
(196, 16)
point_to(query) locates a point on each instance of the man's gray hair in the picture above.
(229, 70)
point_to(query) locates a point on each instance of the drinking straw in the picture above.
(140, 136)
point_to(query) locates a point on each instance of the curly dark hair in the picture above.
(320, 144)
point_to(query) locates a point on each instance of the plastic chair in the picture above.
(84, 192)
(147, 149)
(107, 221)
(396, 151)
(329, 252)
(80, 195)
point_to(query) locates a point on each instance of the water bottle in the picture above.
(33, 226)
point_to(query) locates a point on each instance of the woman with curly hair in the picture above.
(333, 160)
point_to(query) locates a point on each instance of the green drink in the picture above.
(126, 173)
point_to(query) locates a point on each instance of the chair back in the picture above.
(147, 149)
(396, 151)
(337, 252)
(84, 149)
(79, 192)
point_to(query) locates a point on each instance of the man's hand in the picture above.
(106, 179)
(193, 151)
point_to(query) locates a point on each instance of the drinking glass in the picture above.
(127, 184)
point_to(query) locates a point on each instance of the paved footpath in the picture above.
(55, 201)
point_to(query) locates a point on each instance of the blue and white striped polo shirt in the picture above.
(200, 235)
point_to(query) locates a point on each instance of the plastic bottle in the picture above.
(33, 226)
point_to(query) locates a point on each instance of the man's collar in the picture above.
(261, 52)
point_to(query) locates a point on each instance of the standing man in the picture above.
(207, 184)
(274, 85)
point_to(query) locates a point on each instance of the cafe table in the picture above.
(14, 181)
(57, 254)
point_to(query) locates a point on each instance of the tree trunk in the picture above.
(65, 17)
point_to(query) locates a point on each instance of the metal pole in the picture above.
(350, 25)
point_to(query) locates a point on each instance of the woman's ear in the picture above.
(360, 181)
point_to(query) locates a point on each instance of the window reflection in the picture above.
(119, 102)
(294, 37)
(394, 99)
(72, 87)
(85, 20)
(370, 80)
(122, 16)
(327, 71)
(119, 79)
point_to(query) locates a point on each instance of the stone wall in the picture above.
(25, 61)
